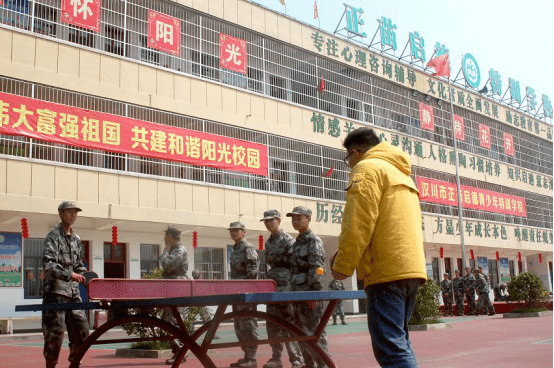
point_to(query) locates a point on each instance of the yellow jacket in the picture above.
(381, 235)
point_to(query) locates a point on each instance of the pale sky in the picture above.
(515, 38)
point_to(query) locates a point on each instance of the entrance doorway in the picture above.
(115, 259)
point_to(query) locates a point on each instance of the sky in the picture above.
(515, 38)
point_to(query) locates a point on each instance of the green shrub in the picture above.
(526, 287)
(426, 309)
(189, 315)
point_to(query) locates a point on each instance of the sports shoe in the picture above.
(237, 363)
(344, 323)
(249, 363)
(273, 363)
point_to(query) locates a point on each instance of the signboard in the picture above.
(427, 117)
(76, 127)
(482, 262)
(82, 13)
(443, 192)
(508, 144)
(164, 32)
(10, 260)
(504, 270)
(459, 128)
(233, 54)
(484, 136)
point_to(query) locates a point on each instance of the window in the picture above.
(115, 161)
(114, 40)
(15, 13)
(32, 268)
(512, 269)
(149, 258)
(277, 87)
(353, 109)
(262, 268)
(81, 36)
(448, 267)
(209, 262)
(493, 272)
(435, 266)
(45, 20)
(146, 54)
(115, 259)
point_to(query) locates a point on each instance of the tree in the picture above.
(427, 303)
(527, 287)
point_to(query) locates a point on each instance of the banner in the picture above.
(504, 270)
(508, 144)
(82, 13)
(459, 128)
(76, 127)
(10, 260)
(427, 117)
(164, 32)
(233, 54)
(484, 136)
(437, 191)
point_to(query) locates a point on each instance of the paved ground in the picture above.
(483, 341)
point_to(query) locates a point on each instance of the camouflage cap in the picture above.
(68, 205)
(271, 214)
(236, 225)
(475, 270)
(300, 210)
(173, 231)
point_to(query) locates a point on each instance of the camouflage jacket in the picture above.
(446, 287)
(336, 285)
(62, 255)
(458, 284)
(481, 285)
(278, 251)
(244, 261)
(175, 262)
(307, 256)
(469, 282)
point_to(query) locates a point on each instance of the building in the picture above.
(148, 113)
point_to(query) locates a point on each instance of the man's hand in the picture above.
(312, 304)
(78, 278)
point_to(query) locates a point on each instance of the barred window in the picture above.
(209, 262)
(149, 258)
(33, 273)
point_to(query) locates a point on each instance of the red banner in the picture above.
(56, 123)
(508, 144)
(484, 136)
(232, 54)
(437, 191)
(82, 13)
(427, 117)
(164, 32)
(459, 129)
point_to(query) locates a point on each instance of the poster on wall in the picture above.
(482, 262)
(504, 270)
(10, 260)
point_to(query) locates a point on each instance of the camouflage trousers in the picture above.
(484, 299)
(338, 310)
(308, 320)
(168, 316)
(447, 300)
(470, 297)
(53, 327)
(246, 330)
(459, 303)
(285, 311)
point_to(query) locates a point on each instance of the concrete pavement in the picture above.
(485, 341)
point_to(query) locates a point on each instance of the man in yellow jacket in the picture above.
(382, 240)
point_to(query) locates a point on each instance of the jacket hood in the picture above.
(394, 155)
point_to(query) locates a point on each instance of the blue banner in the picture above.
(10, 260)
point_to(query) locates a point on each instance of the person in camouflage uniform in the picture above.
(244, 265)
(62, 261)
(482, 288)
(278, 250)
(469, 285)
(458, 284)
(337, 285)
(446, 290)
(174, 262)
(480, 268)
(308, 255)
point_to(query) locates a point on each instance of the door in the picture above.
(115, 259)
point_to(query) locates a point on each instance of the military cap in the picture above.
(271, 214)
(237, 225)
(300, 210)
(475, 270)
(173, 231)
(195, 274)
(68, 205)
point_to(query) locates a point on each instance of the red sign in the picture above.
(427, 117)
(437, 191)
(485, 136)
(459, 129)
(508, 144)
(56, 123)
(82, 13)
(232, 54)
(164, 32)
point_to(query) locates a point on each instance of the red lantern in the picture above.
(114, 235)
(497, 256)
(519, 256)
(261, 242)
(24, 228)
(540, 258)
(441, 251)
(194, 239)
(471, 253)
